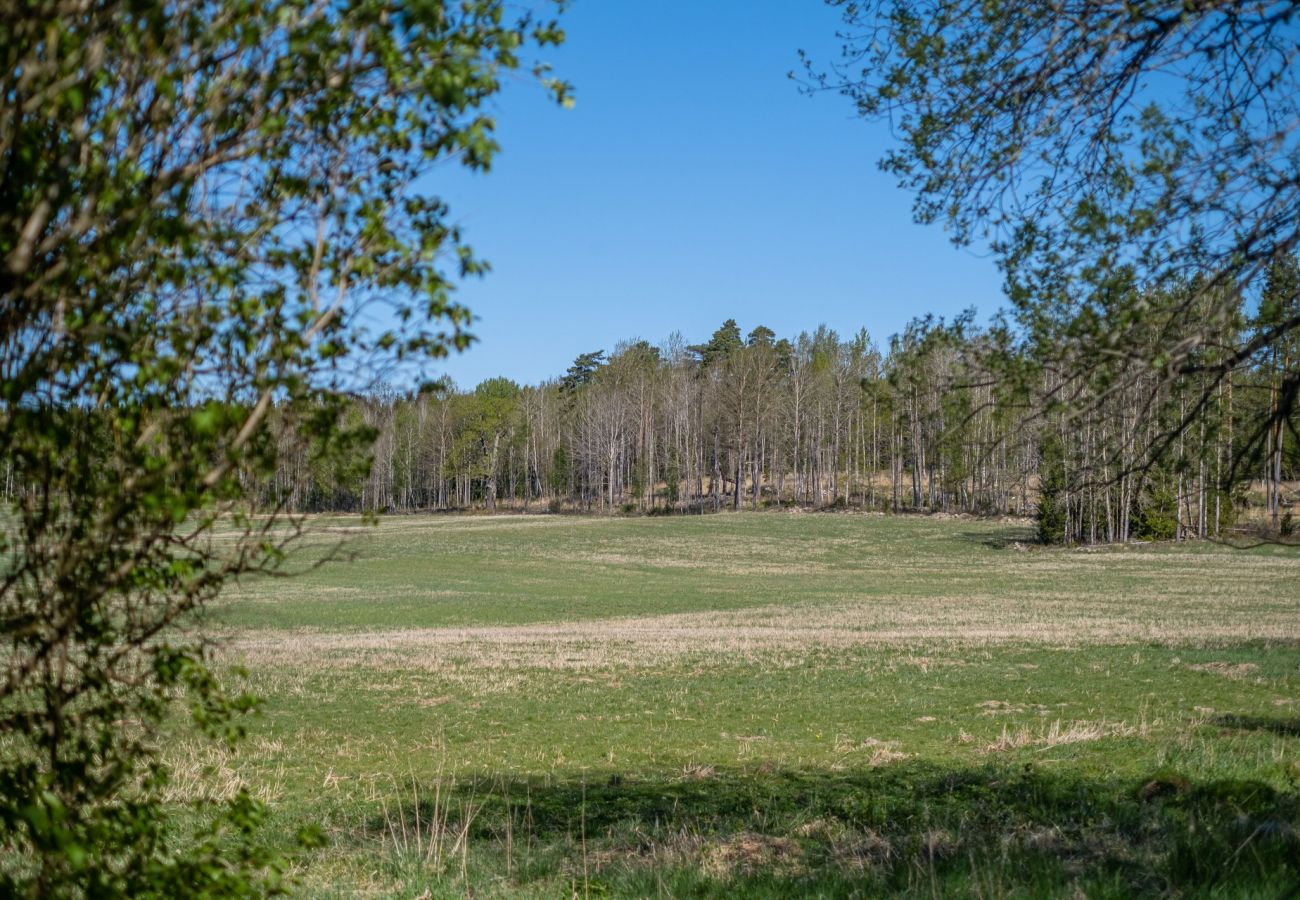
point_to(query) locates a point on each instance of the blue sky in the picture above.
(691, 183)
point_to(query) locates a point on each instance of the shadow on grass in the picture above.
(1283, 727)
(990, 831)
(1016, 537)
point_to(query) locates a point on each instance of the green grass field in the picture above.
(770, 704)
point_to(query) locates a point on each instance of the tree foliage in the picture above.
(1109, 152)
(212, 215)
(822, 420)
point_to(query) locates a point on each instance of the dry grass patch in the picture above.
(759, 635)
(748, 853)
(1057, 733)
(1235, 671)
(206, 772)
(1003, 708)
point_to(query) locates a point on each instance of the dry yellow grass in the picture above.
(790, 632)
(1057, 733)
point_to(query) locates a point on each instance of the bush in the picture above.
(1157, 515)
(1051, 467)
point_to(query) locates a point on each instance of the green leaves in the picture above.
(1108, 152)
(213, 216)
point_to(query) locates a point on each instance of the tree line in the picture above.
(947, 418)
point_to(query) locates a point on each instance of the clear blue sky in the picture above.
(691, 183)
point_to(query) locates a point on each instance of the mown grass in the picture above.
(773, 704)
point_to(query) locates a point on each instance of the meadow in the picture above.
(768, 704)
